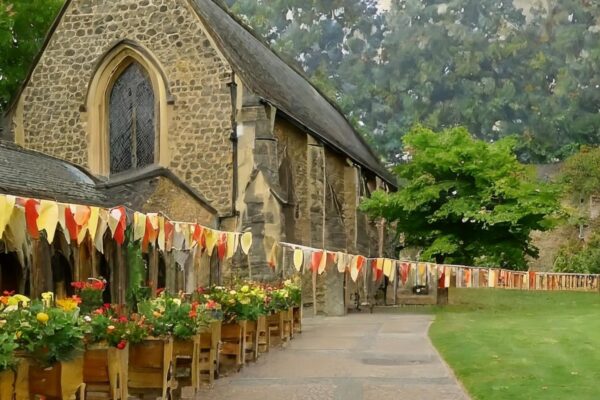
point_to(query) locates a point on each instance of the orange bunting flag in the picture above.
(169, 233)
(71, 223)
(315, 261)
(273, 256)
(31, 216)
(222, 245)
(118, 229)
(323, 264)
(81, 214)
(360, 262)
(198, 236)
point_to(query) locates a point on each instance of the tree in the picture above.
(23, 26)
(463, 200)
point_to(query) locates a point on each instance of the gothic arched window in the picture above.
(132, 120)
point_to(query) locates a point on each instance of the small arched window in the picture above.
(132, 120)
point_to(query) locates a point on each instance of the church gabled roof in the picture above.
(268, 76)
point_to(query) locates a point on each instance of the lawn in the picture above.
(505, 344)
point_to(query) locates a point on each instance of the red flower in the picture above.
(97, 285)
(99, 311)
(106, 306)
(211, 305)
(122, 319)
(78, 285)
(159, 291)
(200, 290)
(193, 314)
(121, 345)
(7, 293)
(77, 299)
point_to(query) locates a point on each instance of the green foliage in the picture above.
(23, 26)
(168, 315)
(466, 201)
(576, 256)
(7, 348)
(581, 174)
(49, 335)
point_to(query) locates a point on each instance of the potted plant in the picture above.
(8, 361)
(106, 337)
(91, 294)
(52, 340)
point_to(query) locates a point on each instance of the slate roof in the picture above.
(28, 173)
(271, 78)
(267, 75)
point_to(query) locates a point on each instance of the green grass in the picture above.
(505, 344)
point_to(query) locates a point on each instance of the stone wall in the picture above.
(200, 150)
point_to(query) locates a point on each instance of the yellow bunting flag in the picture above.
(7, 204)
(211, 240)
(387, 267)
(93, 222)
(101, 230)
(18, 228)
(246, 242)
(298, 259)
(161, 233)
(342, 262)
(48, 218)
(139, 226)
(354, 268)
(231, 236)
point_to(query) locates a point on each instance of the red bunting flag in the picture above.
(222, 245)
(315, 260)
(31, 216)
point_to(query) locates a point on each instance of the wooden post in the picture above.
(153, 270)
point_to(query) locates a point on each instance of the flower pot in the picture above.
(275, 327)
(7, 382)
(288, 324)
(150, 366)
(297, 319)
(263, 334)
(102, 369)
(185, 354)
(61, 380)
(233, 336)
(209, 350)
(251, 341)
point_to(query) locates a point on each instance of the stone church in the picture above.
(175, 106)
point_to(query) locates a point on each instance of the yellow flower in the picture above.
(245, 300)
(231, 301)
(47, 298)
(177, 301)
(232, 292)
(67, 304)
(18, 298)
(42, 317)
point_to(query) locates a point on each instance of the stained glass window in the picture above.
(132, 120)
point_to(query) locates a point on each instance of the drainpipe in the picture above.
(234, 144)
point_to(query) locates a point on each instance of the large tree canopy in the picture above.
(23, 26)
(483, 64)
(463, 200)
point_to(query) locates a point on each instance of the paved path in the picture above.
(357, 357)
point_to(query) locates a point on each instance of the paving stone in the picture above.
(358, 357)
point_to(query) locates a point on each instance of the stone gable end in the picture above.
(51, 116)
